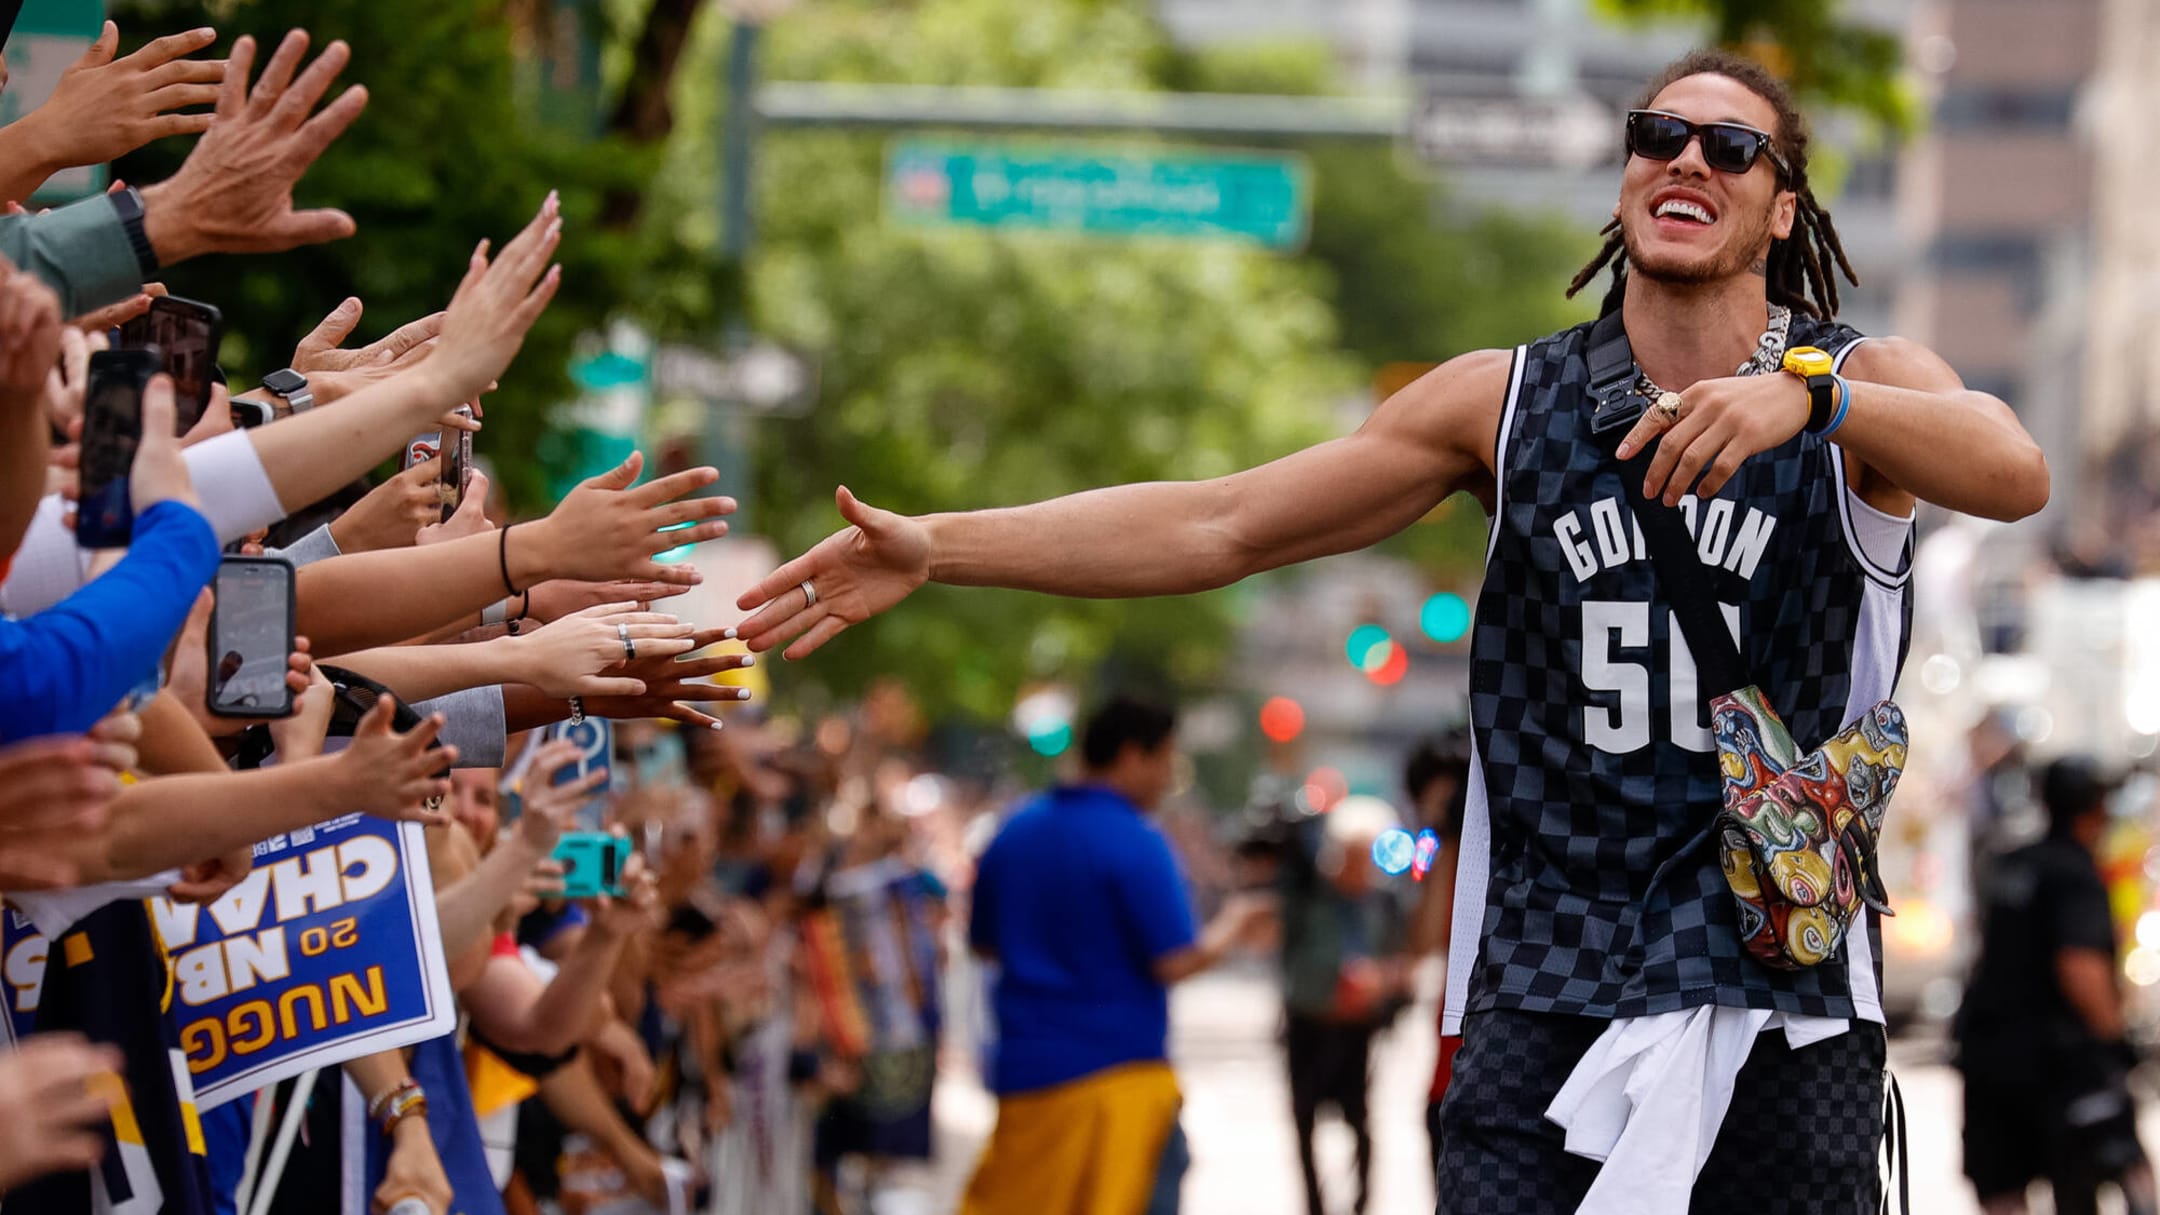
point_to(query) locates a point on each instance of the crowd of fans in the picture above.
(752, 992)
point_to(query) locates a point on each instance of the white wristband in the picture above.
(496, 612)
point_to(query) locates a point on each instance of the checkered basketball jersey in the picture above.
(1586, 843)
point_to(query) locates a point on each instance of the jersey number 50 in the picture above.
(1609, 625)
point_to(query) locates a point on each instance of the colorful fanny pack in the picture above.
(1797, 832)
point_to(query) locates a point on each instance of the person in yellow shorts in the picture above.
(1080, 904)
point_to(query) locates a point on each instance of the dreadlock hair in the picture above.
(1800, 267)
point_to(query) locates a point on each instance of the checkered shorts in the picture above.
(1800, 1139)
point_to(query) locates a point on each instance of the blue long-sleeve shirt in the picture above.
(67, 666)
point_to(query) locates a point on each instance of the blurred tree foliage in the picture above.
(959, 368)
(1827, 57)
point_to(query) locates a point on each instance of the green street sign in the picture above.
(48, 38)
(1258, 197)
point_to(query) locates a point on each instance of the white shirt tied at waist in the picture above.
(1649, 1095)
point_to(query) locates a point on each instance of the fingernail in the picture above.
(716, 725)
(727, 634)
(1626, 450)
(742, 693)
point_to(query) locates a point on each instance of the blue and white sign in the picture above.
(327, 951)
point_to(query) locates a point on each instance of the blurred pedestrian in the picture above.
(2041, 1038)
(1345, 977)
(1080, 904)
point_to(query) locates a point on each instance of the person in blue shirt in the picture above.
(1080, 904)
(64, 668)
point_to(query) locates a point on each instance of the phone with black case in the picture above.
(251, 638)
(187, 332)
(112, 430)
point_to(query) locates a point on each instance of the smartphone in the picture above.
(456, 447)
(251, 638)
(112, 430)
(592, 863)
(595, 739)
(420, 450)
(187, 331)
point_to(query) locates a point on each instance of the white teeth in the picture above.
(1681, 207)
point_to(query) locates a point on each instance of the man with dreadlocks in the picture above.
(1600, 967)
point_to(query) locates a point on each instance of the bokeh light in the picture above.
(1391, 669)
(1445, 617)
(1428, 847)
(1281, 719)
(1050, 738)
(1393, 851)
(1366, 646)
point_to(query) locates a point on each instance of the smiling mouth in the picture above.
(1684, 211)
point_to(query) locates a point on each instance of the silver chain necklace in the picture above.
(1769, 354)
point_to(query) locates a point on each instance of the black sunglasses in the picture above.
(1728, 147)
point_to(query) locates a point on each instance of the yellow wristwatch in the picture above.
(1813, 367)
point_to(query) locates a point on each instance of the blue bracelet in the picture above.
(1844, 403)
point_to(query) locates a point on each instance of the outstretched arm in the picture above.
(1160, 538)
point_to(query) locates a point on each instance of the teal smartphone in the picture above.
(592, 863)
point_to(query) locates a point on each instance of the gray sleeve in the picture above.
(474, 723)
(81, 251)
(316, 546)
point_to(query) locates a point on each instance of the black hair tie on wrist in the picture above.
(502, 555)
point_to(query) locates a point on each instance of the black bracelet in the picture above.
(502, 555)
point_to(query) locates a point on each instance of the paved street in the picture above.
(1244, 1157)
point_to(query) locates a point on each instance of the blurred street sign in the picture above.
(49, 37)
(760, 376)
(1573, 132)
(1257, 197)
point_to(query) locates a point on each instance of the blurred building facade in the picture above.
(2121, 397)
(1996, 200)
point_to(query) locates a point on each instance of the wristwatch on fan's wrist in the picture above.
(293, 387)
(1814, 366)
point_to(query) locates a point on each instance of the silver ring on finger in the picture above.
(1668, 404)
(809, 593)
(629, 647)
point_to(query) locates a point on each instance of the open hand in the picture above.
(494, 307)
(567, 658)
(605, 529)
(858, 571)
(234, 193)
(104, 108)
(674, 686)
(333, 371)
(393, 776)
